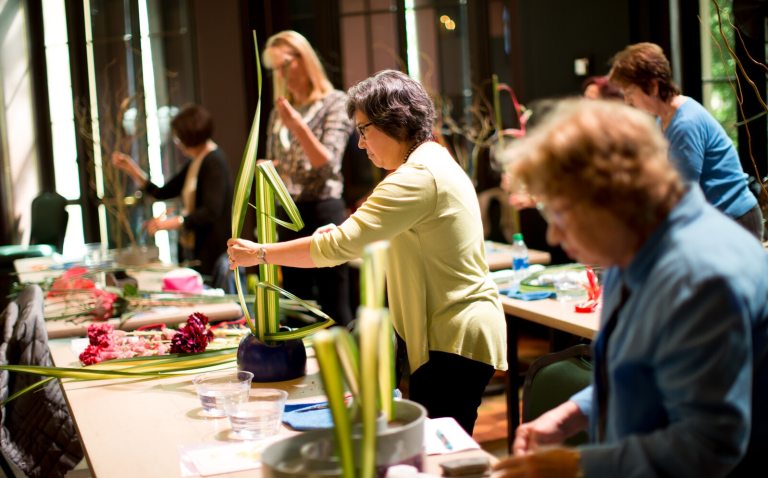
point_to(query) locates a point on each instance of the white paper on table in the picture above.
(454, 438)
(215, 458)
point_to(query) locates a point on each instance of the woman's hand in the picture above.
(521, 201)
(242, 253)
(162, 223)
(288, 114)
(547, 463)
(551, 428)
(126, 163)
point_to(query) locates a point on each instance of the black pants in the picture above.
(449, 385)
(329, 286)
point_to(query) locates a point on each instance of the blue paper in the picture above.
(303, 417)
(514, 293)
(313, 417)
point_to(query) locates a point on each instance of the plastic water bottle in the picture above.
(519, 254)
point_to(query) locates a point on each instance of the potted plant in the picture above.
(270, 352)
(374, 431)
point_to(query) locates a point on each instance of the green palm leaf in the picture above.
(331, 374)
(244, 180)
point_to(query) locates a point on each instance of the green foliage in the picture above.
(365, 366)
(266, 323)
(718, 89)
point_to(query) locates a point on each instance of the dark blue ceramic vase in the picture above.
(273, 361)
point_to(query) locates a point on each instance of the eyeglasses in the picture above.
(553, 218)
(283, 67)
(361, 128)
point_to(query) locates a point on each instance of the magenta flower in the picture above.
(192, 337)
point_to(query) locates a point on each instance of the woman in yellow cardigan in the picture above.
(441, 301)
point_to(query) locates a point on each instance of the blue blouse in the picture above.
(686, 351)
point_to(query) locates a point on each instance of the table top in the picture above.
(133, 428)
(554, 314)
(137, 427)
(499, 256)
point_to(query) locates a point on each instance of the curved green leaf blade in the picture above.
(369, 324)
(373, 276)
(244, 181)
(302, 332)
(286, 201)
(333, 384)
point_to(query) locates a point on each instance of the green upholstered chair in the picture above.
(552, 379)
(49, 220)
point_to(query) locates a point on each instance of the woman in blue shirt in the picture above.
(698, 144)
(680, 373)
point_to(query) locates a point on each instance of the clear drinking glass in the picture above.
(216, 389)
(259, 416)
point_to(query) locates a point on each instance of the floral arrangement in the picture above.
(364, 366)
(106, 343)
(263, 177)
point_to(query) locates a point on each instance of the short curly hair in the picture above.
(396, 104)
(641, 64)
(604, 153)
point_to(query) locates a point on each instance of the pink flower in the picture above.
(106, 343)
(100, 335)
(104, 306)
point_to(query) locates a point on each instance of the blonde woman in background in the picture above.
(307, 134)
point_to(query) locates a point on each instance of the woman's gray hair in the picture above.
(396, 104)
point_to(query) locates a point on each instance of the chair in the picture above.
(8, 254)
(49, 220)
(37, 433)
(553, 378)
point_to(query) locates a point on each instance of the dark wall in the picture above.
(221, 76)
(553, 33)
(556, 32)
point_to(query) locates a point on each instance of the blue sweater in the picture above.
(703, 153)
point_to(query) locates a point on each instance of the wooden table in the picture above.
(552, 314)
(132, 428)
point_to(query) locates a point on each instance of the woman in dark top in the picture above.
(204, 185)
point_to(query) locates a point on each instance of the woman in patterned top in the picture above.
(307, 133)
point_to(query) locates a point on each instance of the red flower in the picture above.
(71, 279)
(91, 355)
(100, 335)
(192, 337)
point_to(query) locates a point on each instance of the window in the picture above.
(138, 64)
(717, 66)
